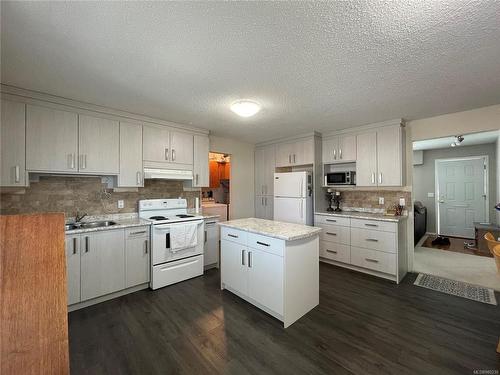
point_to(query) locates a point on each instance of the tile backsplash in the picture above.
(86, 194)
(369, 199)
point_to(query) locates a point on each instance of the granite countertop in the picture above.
(365, 215)
(270, 228)
(122, 221)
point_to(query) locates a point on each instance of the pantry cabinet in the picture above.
(73, 268)
(381, 161)
(162, 145)
(339, 149)
(12, 138)
(102, 263)
(201, 176)
(131, 172)
(51, 140)
(265, 164)
(264, 207)
(99, 144)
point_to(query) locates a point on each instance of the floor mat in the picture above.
(456, 288)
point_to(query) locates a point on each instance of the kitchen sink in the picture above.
(89, 224)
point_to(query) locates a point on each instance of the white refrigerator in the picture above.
(293, 197)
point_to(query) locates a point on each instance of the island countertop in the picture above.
(275, 229)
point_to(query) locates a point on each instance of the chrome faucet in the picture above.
(79, 218)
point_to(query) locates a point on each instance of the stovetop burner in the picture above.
(183, 216)
(158, 218)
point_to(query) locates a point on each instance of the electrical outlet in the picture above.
(402, 202)
(121, 203)
(381, 200)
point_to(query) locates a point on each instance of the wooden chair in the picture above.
(491, 241)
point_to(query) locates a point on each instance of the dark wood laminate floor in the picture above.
(363, 325)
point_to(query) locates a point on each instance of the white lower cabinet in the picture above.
(211, 245)
(280, 277)
(264, 207)
(137, 251)
(104, 262)
(372, 246)
(73, 268)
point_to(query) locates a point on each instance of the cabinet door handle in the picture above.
(146, 245)
(210, 222)
(372, 239)
(289, 159)
(263, 243)
(84, 161)
(138, 176)
(166, 154)
(242, 257)
(249, 259)
(261, 201)
(371, 225)
(371, 260)
(294, 161)
(380, 178)
(331, 220)
(197, 179)
(87, 244)
(335, 154)
(331, 251)
(71, 159)
(17, 175)
(331, 234)
(205, 237)
(373, 178)
(75, 244)
(232, 235)
(340, 153)
(173, 155)
(265, 201)
(135, 233)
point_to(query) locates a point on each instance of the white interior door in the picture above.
(290, 210)
(462, 195)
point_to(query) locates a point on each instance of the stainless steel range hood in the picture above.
(167, 174)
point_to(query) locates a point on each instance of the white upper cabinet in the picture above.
(340, 149)
(131, 174)
(156, 144)
(181, 145)
(380, 157)
(12, 136)
(201, 176)
(99, 141)
(295, 153)
(51, 140)
(366, 163)
(390, 156)
(167, 146)
(265, 164)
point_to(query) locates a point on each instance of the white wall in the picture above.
(242, 175)
(475, 120)
(498, 176)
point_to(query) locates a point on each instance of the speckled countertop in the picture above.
(270, 228)
(365, 215)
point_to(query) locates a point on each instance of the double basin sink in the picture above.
(89, 224)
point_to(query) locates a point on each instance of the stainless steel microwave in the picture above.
(340, 178)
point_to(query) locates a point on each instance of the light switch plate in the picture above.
(381, 200)
(430, 195)
(121, 203)
(402, 202)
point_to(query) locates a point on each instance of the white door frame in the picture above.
(485, 158)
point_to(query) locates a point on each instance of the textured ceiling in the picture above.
(321, 66)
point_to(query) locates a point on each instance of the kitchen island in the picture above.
(273, 265)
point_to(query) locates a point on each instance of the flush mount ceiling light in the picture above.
(458, 140)
(245, 108)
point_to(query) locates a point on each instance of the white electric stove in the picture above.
(167, 266)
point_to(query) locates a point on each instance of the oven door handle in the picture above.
(168, 226)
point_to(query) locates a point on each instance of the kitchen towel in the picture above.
(183, 236)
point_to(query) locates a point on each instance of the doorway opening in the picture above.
(455, 187)
(216, 198)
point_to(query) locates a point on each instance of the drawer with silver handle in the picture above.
(234, 235)
(335, 233)
(374, 260)
(335, 251)
(385, 226)
(374, 240)
(330, 219)
(137, 232)
(267, 244)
